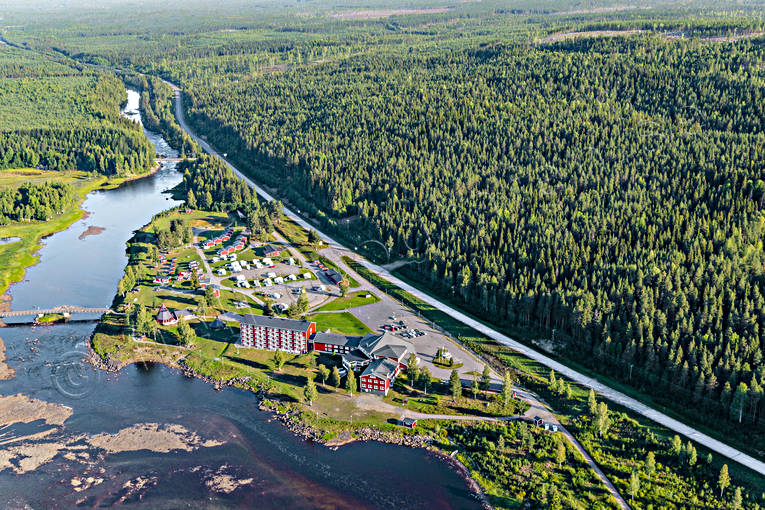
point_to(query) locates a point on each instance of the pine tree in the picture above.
(456, 385)
(323, 373)
(278, 360)
(191, 201)
(185, 333)
(507, 388)
(485, 378)
(302, 301)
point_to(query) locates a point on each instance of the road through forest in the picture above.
(336, 250)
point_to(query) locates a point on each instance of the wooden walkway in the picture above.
(59, 309)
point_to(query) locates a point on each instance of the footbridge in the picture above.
(58, 309)
(173, 160)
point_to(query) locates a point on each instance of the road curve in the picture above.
(616, 396)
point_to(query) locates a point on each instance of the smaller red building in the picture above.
(378, 376)
(270, 251)
(166, 317)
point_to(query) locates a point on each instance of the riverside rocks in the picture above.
(291, 419)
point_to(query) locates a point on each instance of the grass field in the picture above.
(349, 301)
(344, 323)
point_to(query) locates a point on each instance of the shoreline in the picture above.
(104, 184)
(301, 430)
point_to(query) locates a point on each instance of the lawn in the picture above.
(196, 218)
(344, 323)
(349, 301)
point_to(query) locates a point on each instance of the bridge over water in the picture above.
(160, 160)
(59, 309)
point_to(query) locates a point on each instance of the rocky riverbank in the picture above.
(291, 418)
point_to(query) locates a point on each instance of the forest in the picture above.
(158, 112)
(34, 201)
(609, 189)
(601, 194)
(55, 116)
(211, 186)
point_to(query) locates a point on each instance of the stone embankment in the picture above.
(291, 419)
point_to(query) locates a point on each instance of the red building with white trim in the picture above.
(378, 376)
(275, 333)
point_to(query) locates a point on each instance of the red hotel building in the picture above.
(275, 333)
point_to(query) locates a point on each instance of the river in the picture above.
(208, 449)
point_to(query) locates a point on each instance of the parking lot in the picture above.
(377, 315)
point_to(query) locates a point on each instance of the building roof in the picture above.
(269, 248)
(185, 313)
(355, 357)
(334, 275)
(276, 322)
(387, 345)
(164, 315)
(381, 368)
(336, 339)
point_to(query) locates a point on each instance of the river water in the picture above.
(248, 460)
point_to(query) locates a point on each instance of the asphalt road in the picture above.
(335, 250)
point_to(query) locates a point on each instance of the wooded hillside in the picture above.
(55, 116)
(610, 189)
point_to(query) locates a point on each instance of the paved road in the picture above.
(536, 408)
(336, 250)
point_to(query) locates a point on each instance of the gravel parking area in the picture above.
(376, 315)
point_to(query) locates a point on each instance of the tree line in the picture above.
(59, 117)
(34, 201)
(212, 186)
(158, 112)
(607, 192)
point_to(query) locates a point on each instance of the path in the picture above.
(536, 408)
(59, 309)
(337, 250)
